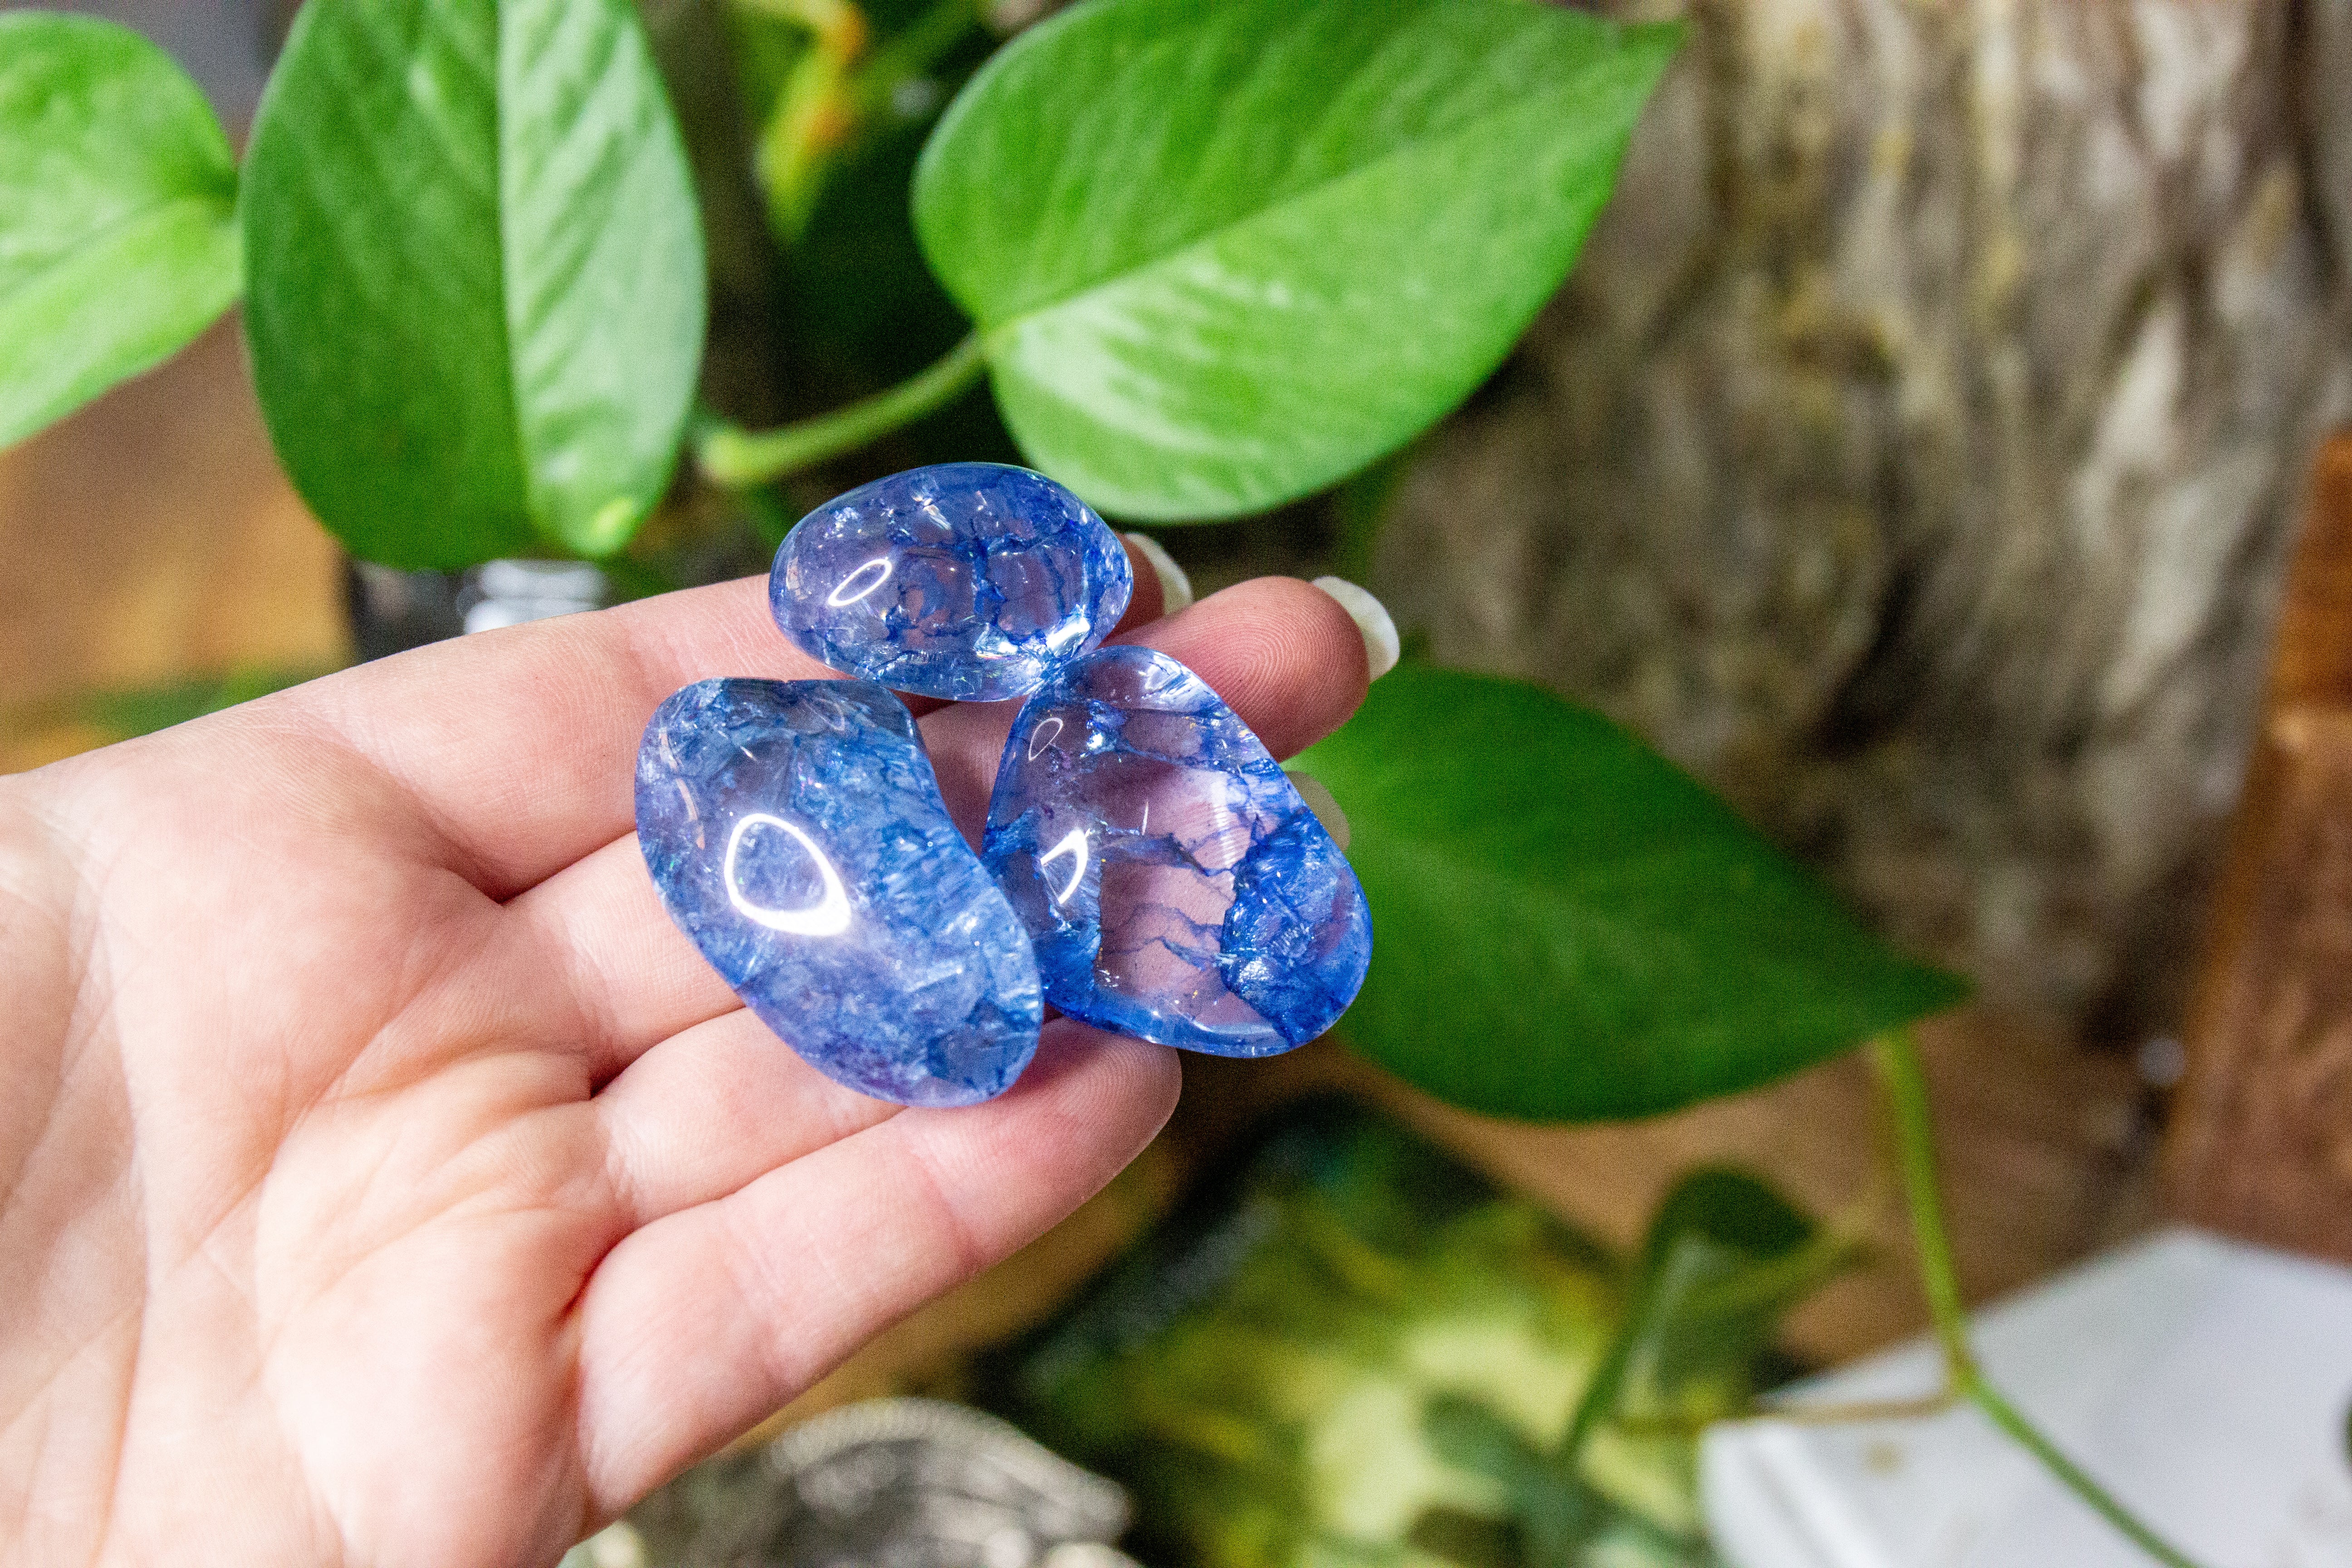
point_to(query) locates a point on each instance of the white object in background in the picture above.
(510, 592)
(2204, 1383)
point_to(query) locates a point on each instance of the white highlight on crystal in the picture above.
(1073, 847)
(841, 598)
(829, 916)
(1044, 733)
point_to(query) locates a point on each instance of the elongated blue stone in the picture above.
(797, 835)
(969, 581)
(1176, 887)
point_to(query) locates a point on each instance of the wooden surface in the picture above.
(2311, 658)
(2263, 1141)
(152, 538)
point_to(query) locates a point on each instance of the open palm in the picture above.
(384, 1180)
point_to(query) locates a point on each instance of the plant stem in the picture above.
(1905, 1087)
(919, 48)
(1897, 1058)
(837, 25)
(834, 90)
(1601, 1395)
(733, 458)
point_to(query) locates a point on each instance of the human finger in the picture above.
(1161, 587)
(698, 1325)
(1285, 657)
(517, 746)
(718, 1106)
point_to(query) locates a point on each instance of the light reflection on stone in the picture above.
(829, 916)
(842, 903)
(1225, 919)
(965, 580)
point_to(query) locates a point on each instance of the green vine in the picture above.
(734, 458)
(1897, 1058)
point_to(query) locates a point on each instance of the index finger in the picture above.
(515, 745)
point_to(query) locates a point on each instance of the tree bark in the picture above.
(1916, 449)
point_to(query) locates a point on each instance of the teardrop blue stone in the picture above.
(1176, 885)
(796, 833)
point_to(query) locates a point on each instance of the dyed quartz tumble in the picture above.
(969, 581)
(796, 833)
(1176, 887)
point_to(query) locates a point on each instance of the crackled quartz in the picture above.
(970, 581)
(1176, 887)
(796, 833)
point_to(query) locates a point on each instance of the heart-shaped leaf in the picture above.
(118, 196)
(477, 289)
(1223, 255)
(1725, 1259)
(1568, 927)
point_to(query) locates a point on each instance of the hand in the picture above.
(384, 1180)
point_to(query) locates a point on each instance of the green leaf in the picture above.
(1568, 927)
(476, 286)
(118, 195)
(1223, 255)
(1556, 1510)
(1726, 1256)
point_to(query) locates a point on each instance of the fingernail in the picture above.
(1318, 800)
(1175, 588)
(1371, 618)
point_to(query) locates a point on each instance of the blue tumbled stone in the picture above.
(1176, 887)
(970, 581)
(797, 835)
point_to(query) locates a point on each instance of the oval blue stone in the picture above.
(1176, 887)
(969, 581)
(796, 833)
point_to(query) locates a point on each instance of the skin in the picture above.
(384, 1180)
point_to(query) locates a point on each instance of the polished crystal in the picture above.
(796, 833)
(1176, 887)
(969, 580)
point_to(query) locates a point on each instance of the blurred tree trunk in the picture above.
(1914, 452)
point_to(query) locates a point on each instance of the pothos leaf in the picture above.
(117, 192)
(1568, 927)
(477, 295)
(1223, 255)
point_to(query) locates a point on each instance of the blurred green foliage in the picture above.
(117, 239)
(1352, 1349)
